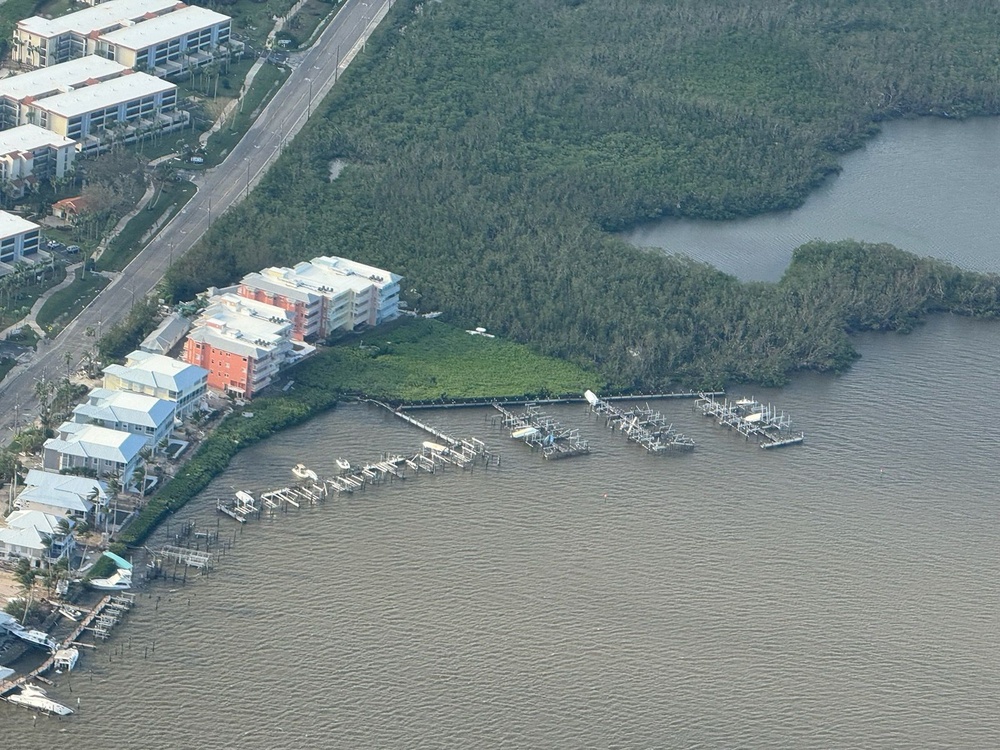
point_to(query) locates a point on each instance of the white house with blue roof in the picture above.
(151, 417)
(63, 495)
(162, 377)
(88, 446)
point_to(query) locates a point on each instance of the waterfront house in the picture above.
(103, 451)
(63, 495)
(162, 377)
(36, 536)
(152, 418)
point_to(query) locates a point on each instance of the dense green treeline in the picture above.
(490, 146)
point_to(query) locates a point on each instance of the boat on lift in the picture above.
(32, 696)
(120, 580)
(302, 472)
(36, 638)
(343, 464)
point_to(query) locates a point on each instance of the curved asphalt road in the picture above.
(218, 189)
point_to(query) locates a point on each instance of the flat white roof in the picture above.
(164, 28)
(105, 94)
(30, 137)
(96, 18)
(11, 225)
(244, 327)
(324, 275)
(46, 81)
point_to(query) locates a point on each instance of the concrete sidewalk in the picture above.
(31, 319)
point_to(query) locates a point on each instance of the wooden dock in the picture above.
(7, 686)
(542, 432)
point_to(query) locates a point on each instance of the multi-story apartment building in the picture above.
(165, 36)
(242, 343)
(18, 237)
(121, 109)
(29, 154)
(18, 91)
(327, 294)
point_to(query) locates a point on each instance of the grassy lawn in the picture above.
(169, 199)
(266, 83)
(301, 26)
(414, 359)
(66, 304)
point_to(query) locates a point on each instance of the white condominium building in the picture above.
(162, 36)
(29, 154)
(18, 237)
(18, 91)
(327, 294)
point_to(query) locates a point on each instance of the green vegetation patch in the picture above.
(492, 146)
(168, 200)
(419, 359)
(66, 304)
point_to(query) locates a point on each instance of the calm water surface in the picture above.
(843, 593)
(926, 186)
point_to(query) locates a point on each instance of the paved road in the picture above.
(218, 189)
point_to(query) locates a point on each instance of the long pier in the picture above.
(467, 403)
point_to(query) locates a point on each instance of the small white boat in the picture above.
(525, 433)
(343, 464)
(37, 638)
(435, 447)
(119, 581)
(66, 659)
(301, 472)
(32, 696)
(71, 614)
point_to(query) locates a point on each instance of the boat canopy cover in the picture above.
(753, 417)
(121, 562)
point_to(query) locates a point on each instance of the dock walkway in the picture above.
(7, 686)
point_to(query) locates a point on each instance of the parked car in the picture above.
(73, 249)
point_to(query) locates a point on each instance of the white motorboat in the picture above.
(118, 581)
(435, 447)
(71, 614)
(343, 464)
(36, 638)
(301, 472)
(32, 696)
